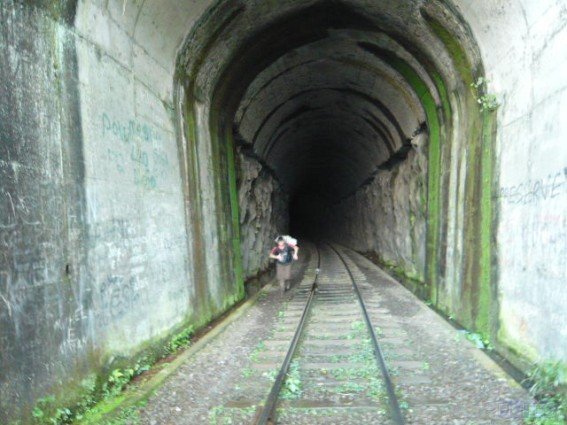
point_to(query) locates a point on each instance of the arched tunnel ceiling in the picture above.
(311, 86)
(330, 95)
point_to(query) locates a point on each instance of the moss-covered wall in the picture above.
(466, 306)
(118, 224)
(456, 214)
(527, 238)
(44, 280)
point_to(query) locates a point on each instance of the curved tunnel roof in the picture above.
(315, 90)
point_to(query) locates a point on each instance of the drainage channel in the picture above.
(334, 370)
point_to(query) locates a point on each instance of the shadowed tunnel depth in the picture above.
(353, 121)
(328, 96)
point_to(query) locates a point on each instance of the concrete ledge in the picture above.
(136, 394)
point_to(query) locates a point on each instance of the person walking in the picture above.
(284, 253)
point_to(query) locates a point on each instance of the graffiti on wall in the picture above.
(120, 247)
(535, 243)
(532, 191)
(140, 149)
(129, 131)
(533, 233)
(121, 294)
(35, 222)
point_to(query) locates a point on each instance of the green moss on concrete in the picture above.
(203, 307)
(228, 223)
(434, 166)
(112, 411)
(442, 90)
(520, 354)
(227, 220)
(454, 48)
(478, 297)
(467, 310)
(477, 309)
(464, 69)
(97, 414)
(410, 279)
(412, 219)
(486, 315)
(91, 397)
(235, 210)
(59, 10)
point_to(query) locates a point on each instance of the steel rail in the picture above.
(267, 415)
(395, 411)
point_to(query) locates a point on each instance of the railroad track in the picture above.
(336, 350)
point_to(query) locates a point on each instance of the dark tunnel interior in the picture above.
(317, 100)
(331, 96)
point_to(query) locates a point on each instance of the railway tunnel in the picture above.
(343, 103)
(329, 112)
(151, 151)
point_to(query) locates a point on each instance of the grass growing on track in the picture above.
(221, 415)
(292, 388)
(260, 348)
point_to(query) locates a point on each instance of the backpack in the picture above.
(289, 240)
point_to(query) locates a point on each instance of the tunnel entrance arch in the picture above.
(362, 113)
(124, 207)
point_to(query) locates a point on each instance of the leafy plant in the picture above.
(247, 372)
(271, 375)
(37, 412)
(260, 347)
(350, 387)
(292, 384)
(547, 379)
(480, 340)
(181, 339)
(129, 416)
(215, 414)
(358, 326)
(375, 389)
(117, 380)
(548, 388)
(62, 416)
(487, 102)
(47, 412)
(41, 410)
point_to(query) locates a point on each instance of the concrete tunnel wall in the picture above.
(144, 144)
